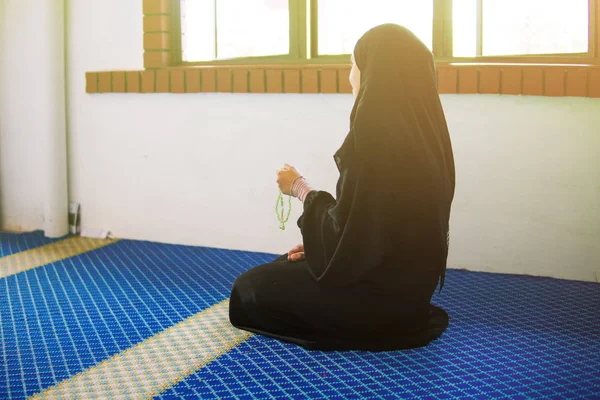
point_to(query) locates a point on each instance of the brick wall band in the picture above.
(540, 80)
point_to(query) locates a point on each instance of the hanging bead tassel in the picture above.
(280, 212)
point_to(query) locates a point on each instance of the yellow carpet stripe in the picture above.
(57, 251)
(158, 363)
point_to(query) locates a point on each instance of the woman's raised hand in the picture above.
(285, 177)
(297, 253)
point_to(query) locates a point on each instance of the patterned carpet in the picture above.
(83, 318)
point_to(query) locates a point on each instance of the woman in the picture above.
(370, 261)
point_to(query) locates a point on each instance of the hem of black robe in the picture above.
(437, 324)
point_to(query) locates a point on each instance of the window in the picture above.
(226, 29)
(342, 22)
(326, 30)
(519, 27)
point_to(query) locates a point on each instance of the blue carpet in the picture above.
(62, 318)
(509, 336)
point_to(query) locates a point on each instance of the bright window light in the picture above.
(226, 29)
(520, 27)
(342, 22)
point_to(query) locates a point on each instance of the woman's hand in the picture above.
(297, 253)
(285, 177)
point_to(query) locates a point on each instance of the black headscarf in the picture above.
(396, 185)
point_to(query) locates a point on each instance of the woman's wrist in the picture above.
(301, 188)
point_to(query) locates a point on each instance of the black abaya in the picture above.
(375, 255)
(282, 300)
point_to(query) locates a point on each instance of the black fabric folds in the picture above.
(391, 217)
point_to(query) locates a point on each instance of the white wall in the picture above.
(199, 169)
(528, 191)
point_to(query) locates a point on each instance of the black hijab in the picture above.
(396, 185)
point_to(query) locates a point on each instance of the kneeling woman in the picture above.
(370, 260)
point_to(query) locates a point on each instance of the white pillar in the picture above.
(33, 148)
(2, 52)
(54, 141)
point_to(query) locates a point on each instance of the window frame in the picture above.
(304, 41)
(554, 76)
